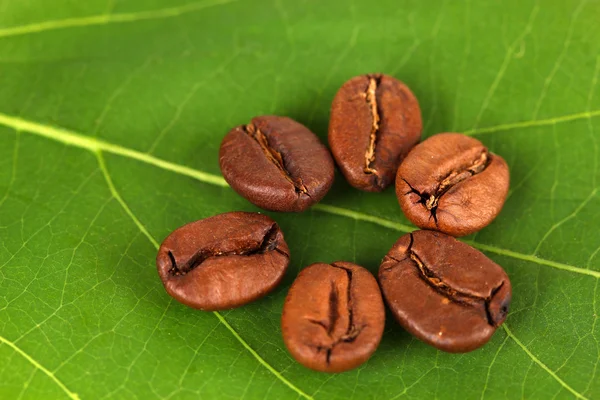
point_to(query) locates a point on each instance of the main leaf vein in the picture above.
(94, 145)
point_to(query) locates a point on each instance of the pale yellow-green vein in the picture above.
(542, 365)
(223, 321)
(105, 19)
(118, 197)
(39, 366)
(94, 145)
(260, 359)
(533, 123)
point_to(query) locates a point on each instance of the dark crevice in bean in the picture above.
(448, 292)
(431, 200)
(371, 98)
(326, 340)
(455, 177)
(320, 323)
(269, 243)
(328, 355)
(351, 328)
(333, 308)
(174, 270)
(422, 200)
(352, 331)
(275, 157)
(388, 257)
(491, 320)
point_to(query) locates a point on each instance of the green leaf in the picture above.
(111, 115)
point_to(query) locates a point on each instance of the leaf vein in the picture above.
(561, 56)
(334, 66)
(118, 197)
(39, 366)
(589, 121)
(96, 146)
(223, 321)
(566, 219)
(106, 19)
(13, 172)
(504, 66)
(118, 92)
(489, 370)
(188, 97)
(541, 364)
(533, 123)
(432, 62)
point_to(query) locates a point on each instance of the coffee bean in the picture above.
(333, 316)
(453, 184)
(375, 121)
(223, 261)
(277, 164)
(443, 291)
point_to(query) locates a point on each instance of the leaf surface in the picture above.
(111, 115)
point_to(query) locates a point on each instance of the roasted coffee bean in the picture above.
(443, 291)
(453, 184)
(375, 121)
(223, 261)
(333, 316)
(277, 164)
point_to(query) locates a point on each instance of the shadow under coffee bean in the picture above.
(443, 291)
(223, 261)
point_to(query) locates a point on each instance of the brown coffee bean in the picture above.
(375, 121)
(223, 261)
(333, 317)
(443, 291)
(453, 184)
(277, 164)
